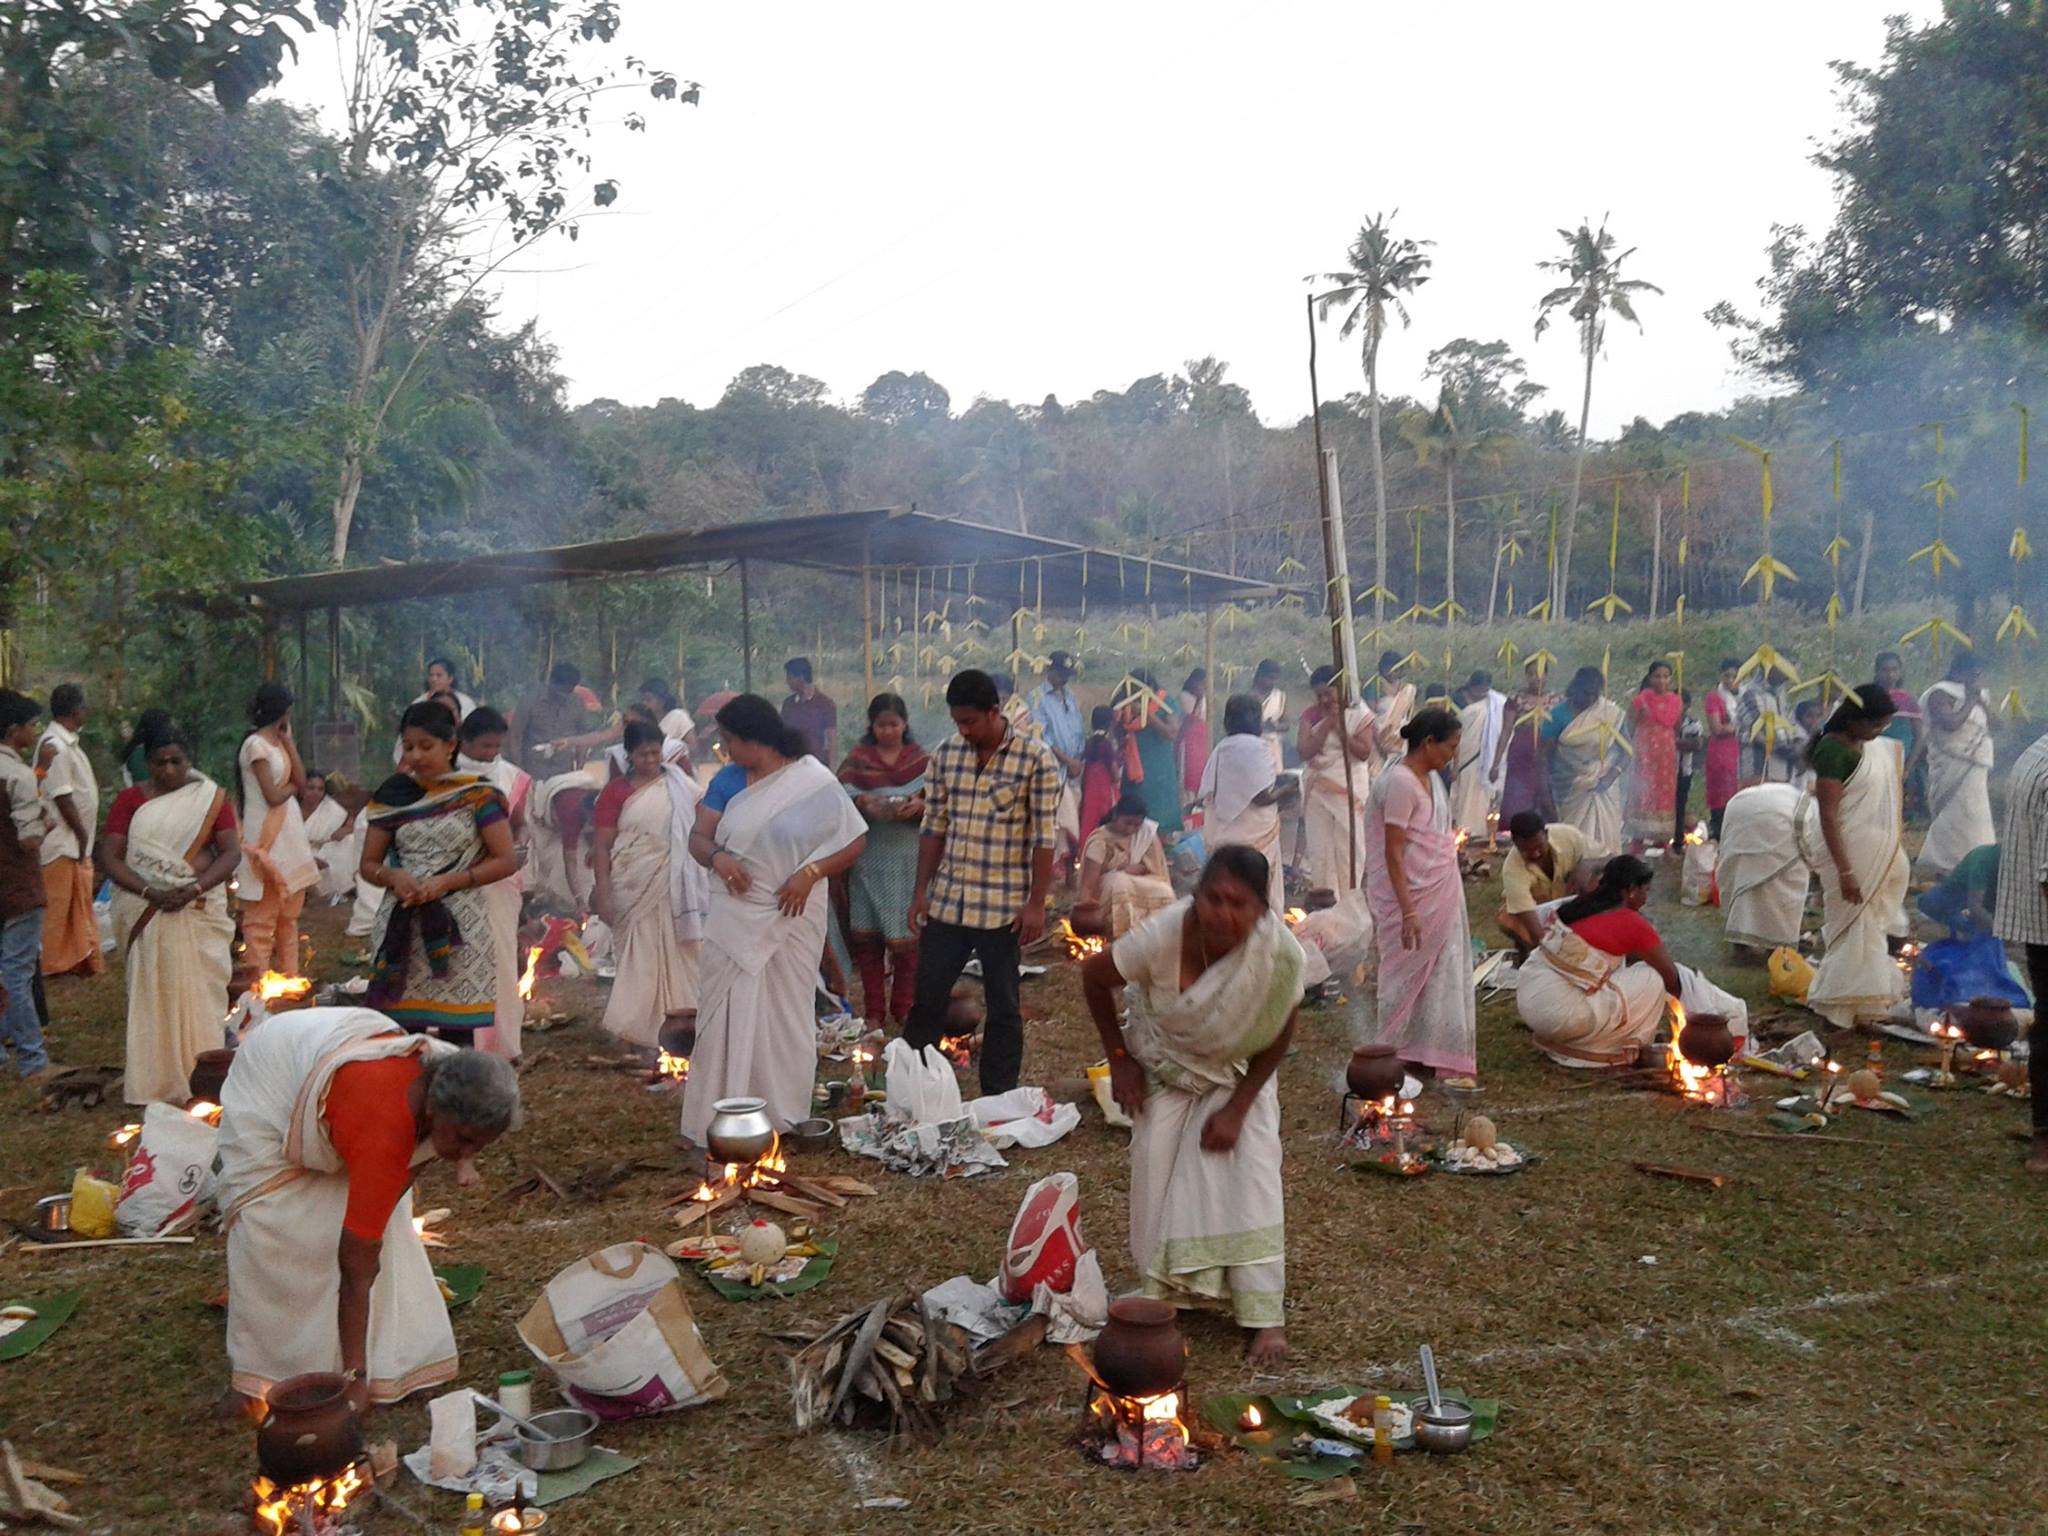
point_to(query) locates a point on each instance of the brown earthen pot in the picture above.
(1321, 899)
(1706, 1040)
(1140, 1351)
(308, 1429)
(1987, 1023)
(1374, 1072)
(963, 1012)
(1089, 919)
(209, 1072)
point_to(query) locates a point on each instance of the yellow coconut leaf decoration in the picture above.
(1770, 569)
(2016, 623)
(1607, 606)
(1506, 653)
(1766, 655)
(1936, 552)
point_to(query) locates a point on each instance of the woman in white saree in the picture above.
(1588, 756)
(326, 1114)
(771, 849)
(1851, 831)
(648, 888)
(1597, 987)
(1959, 758)
(1240, 786)
(1214, 983)
(1123, 867)
(170, 846)
(1334, 792)
(1762, 872)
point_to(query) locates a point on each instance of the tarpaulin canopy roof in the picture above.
(958, 556)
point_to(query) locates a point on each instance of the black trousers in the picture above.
(1683, 799)
(942, 949)
(2037, 1056)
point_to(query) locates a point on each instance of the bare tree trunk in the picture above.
(1656, 552)
(1017, 490)
(1563, 581)
(1379, 488)
(1500, 549)
(1863, 558)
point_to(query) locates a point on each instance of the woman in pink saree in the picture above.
(1426, 1009)
(1653, 716)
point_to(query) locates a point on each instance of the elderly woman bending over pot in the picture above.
(327, 1115)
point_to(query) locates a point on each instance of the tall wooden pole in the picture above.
(1336, 599)
(746, 633)
(867, 624)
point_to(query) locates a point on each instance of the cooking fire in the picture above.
(1134, 1433)
(316, 1508)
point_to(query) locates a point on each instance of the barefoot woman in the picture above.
(1214, 984)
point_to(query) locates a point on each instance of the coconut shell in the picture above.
(1480, 1135)
(1864, 1084)
(762, 1243)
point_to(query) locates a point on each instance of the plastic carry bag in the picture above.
(1952, 971)
(1696, 885)
(922, 1088)
(170, 1172)
(1790, 974)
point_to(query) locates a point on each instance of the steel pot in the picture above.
(1445, 1429)
(813, 1135)
(556, 1440)
(740, 1131)
(309, 1429)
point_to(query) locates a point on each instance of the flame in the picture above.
(277, 1509)
(123, 1136)
(959, 1049)
(1145, 1431)
(676, 1068)
(1078, 947)
(204, 1109)
(1695, 837)
(1692, 1080)
(1462, 838)
(526, 981)
(273, 987)
(760, 1175)
(1296, 917)
(1163, 1409)
(1251, 1417)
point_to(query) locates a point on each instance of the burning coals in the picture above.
(318, 1507)
(1141, 1433)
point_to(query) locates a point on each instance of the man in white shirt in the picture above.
(71, 796)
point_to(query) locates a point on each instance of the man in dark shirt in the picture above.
(21, 885)
(811, 714)
(550, 714)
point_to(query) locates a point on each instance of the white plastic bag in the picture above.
(1023, 1117)
(1696, 880)
(922, 1088)
(170, 1172)
(615, 1329)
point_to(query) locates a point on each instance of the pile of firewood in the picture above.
(893, 1366)
(793, 1194)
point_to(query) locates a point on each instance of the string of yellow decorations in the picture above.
(1511, 551)
(1830, 680)
(1766, 570)
(1937, 553)
(1542, 610)
(2016, 624)
(1608, 605)
(1415, 610)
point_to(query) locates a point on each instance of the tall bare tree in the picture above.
(1384, 269)
(1593, 290)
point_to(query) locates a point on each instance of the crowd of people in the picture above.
(734, 861)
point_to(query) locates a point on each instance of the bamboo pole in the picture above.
(1336, 594)
(746, 633)
(867, 623)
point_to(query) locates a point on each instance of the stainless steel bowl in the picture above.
(740, 1131)
(53, 1213)
(1446, 1430)
(813, 1135)
(563, 1441)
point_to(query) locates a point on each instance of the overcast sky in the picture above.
(1064, 197)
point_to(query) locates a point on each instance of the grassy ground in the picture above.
(1846, 1338)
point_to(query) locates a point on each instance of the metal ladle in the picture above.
(526, 1424)
(1436, 1401)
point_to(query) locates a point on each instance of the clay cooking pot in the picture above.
(209, 1073)
(678, 1036)
(308, 1429)
(1089, 920)
(963, 1013)
(1374, 1071)
(1140, 1351)
(1706, 1040)
(1987, 1023)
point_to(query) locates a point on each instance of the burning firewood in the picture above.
(890, 1365)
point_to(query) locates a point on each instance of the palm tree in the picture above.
(1383, 270)
(1595, 289)
(1454, 433)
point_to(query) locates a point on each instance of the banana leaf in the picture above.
(52, 1313)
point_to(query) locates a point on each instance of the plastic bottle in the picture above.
(515, 1393)
(1875, 1058)
(1383, 1430)
(472, 1517)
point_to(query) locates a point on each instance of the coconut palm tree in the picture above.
(1593, 290)
(1384, 269)
(1455, 433)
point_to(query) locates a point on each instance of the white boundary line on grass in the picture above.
(1762, 1322)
